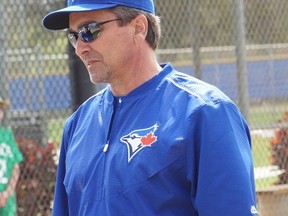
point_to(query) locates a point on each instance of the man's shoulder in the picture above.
(195, 87)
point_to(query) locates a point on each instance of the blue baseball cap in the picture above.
(59, 19)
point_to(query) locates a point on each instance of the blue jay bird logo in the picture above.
(138, 139)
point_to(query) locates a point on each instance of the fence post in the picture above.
(241, 57)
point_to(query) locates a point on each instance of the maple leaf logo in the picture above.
(149, 139)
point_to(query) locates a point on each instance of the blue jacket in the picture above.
(173, 146)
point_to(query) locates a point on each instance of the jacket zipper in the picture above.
(106, 145)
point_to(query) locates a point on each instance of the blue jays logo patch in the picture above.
(138, 139)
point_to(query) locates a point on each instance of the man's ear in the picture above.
(140, 24)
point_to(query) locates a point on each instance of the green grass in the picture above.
(261, 156)
(55, 128)
(264, 183)
(264, 118)
(266, 114)
(261, 150)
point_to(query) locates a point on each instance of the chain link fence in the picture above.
(239, 46)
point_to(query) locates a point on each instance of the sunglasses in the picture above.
(88, 32)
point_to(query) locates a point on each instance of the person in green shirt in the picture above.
(10, 157)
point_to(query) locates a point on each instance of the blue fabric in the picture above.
(146, 5)
(177, 146)
(59, 19)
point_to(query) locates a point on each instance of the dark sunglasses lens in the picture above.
(89, 32)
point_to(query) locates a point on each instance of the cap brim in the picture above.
(58, 20)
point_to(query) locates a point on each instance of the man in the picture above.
(10, 157)
(154, 141)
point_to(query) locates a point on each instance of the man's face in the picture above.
(106, 57)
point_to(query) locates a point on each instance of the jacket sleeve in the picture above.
(222, 172)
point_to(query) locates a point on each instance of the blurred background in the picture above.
(240, 46)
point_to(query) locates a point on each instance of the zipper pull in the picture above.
(106, 147)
